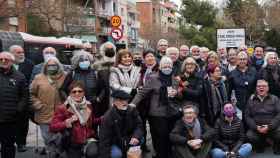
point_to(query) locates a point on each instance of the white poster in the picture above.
(230, 37)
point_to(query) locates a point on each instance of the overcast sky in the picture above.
(218, 2)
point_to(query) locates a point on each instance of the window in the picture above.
(11, 3)
(103, 5)
(122, 11)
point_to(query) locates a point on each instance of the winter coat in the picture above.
(13, 95)
(255, 63)
(79, 134)
(118, 81)
(208, 110)
(88, 77)
(180, 135)
(118, 129)
(103, 88)
(266, 112)
(152, 89)
(45, 97)
(230, 136)
(272, 76)
(243, 85)
(192, 92)
(26, 68)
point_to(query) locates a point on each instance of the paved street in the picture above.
(31, 140)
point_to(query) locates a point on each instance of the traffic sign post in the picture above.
(116, 21)
(116, 34)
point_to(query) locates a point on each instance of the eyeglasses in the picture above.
(20, 52)
(76, 91)
(163, 45)
(49, 52)
(4, 59)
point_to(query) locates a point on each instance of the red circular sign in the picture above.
(116, 33)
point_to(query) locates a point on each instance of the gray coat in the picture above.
(152, 89)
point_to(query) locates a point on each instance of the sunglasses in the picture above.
(4, 59)
(77, 91)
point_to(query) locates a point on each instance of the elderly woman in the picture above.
(230, 135)
(242, 80)
(76, 115)
(162, 90)
(215, 94)
(271, 72)
(191, 84)
(45, 95)
(191, 136)
(82, 71)
(125, 76)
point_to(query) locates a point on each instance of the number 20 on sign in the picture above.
(116, 21)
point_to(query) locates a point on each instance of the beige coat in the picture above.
(45, 97)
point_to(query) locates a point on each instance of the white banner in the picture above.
(230, 37)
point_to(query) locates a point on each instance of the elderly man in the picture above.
(173, 54)
(121, 128)
(162, 45)
(13, 98)
(25, 66)
(263, 118)
(195, 52)
(191, 136)
(222, 52)
(184, 52)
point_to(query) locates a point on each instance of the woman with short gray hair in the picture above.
(82, 71)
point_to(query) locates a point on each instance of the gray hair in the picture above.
(172, 49)
(192, 60)
(191, 105)
(77, 55)
(13, 47)
(165, 60)
(193, 47)
(162, 41)
(60, 66)
(12, 57)
(49, 48)
(267, 55)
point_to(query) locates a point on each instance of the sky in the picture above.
(218, 2)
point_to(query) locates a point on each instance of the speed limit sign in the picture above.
(116, 21)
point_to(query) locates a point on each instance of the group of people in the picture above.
(197, 102)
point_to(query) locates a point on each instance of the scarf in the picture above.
(148, 71)
(194, 129)
(166, 81)
(80, 109)
(218, 96)
(129, 76)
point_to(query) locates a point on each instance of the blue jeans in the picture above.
(244, 151)
(116, 152)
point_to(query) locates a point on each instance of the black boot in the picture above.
(276, 148)
(21, 148)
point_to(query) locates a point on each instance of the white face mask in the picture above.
(166, 71)
(47, 56)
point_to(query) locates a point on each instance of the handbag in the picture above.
(134, 152)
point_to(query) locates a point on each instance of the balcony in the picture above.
(83, 25)
(104, 31)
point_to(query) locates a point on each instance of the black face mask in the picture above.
(137, 62)
(109, 52)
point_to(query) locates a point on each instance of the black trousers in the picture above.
(7, 139)
(76, 151)
(22, 128)
(160, 128)
(258, 139)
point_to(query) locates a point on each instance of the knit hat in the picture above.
(119, 94)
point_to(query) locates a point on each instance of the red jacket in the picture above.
(79, 133)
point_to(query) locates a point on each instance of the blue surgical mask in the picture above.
(84, 65)
(166, 71)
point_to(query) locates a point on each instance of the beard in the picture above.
(21, 60)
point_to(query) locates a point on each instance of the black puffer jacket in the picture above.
(118, 128)
(13, 95)
(88, 77)
(230, 136)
